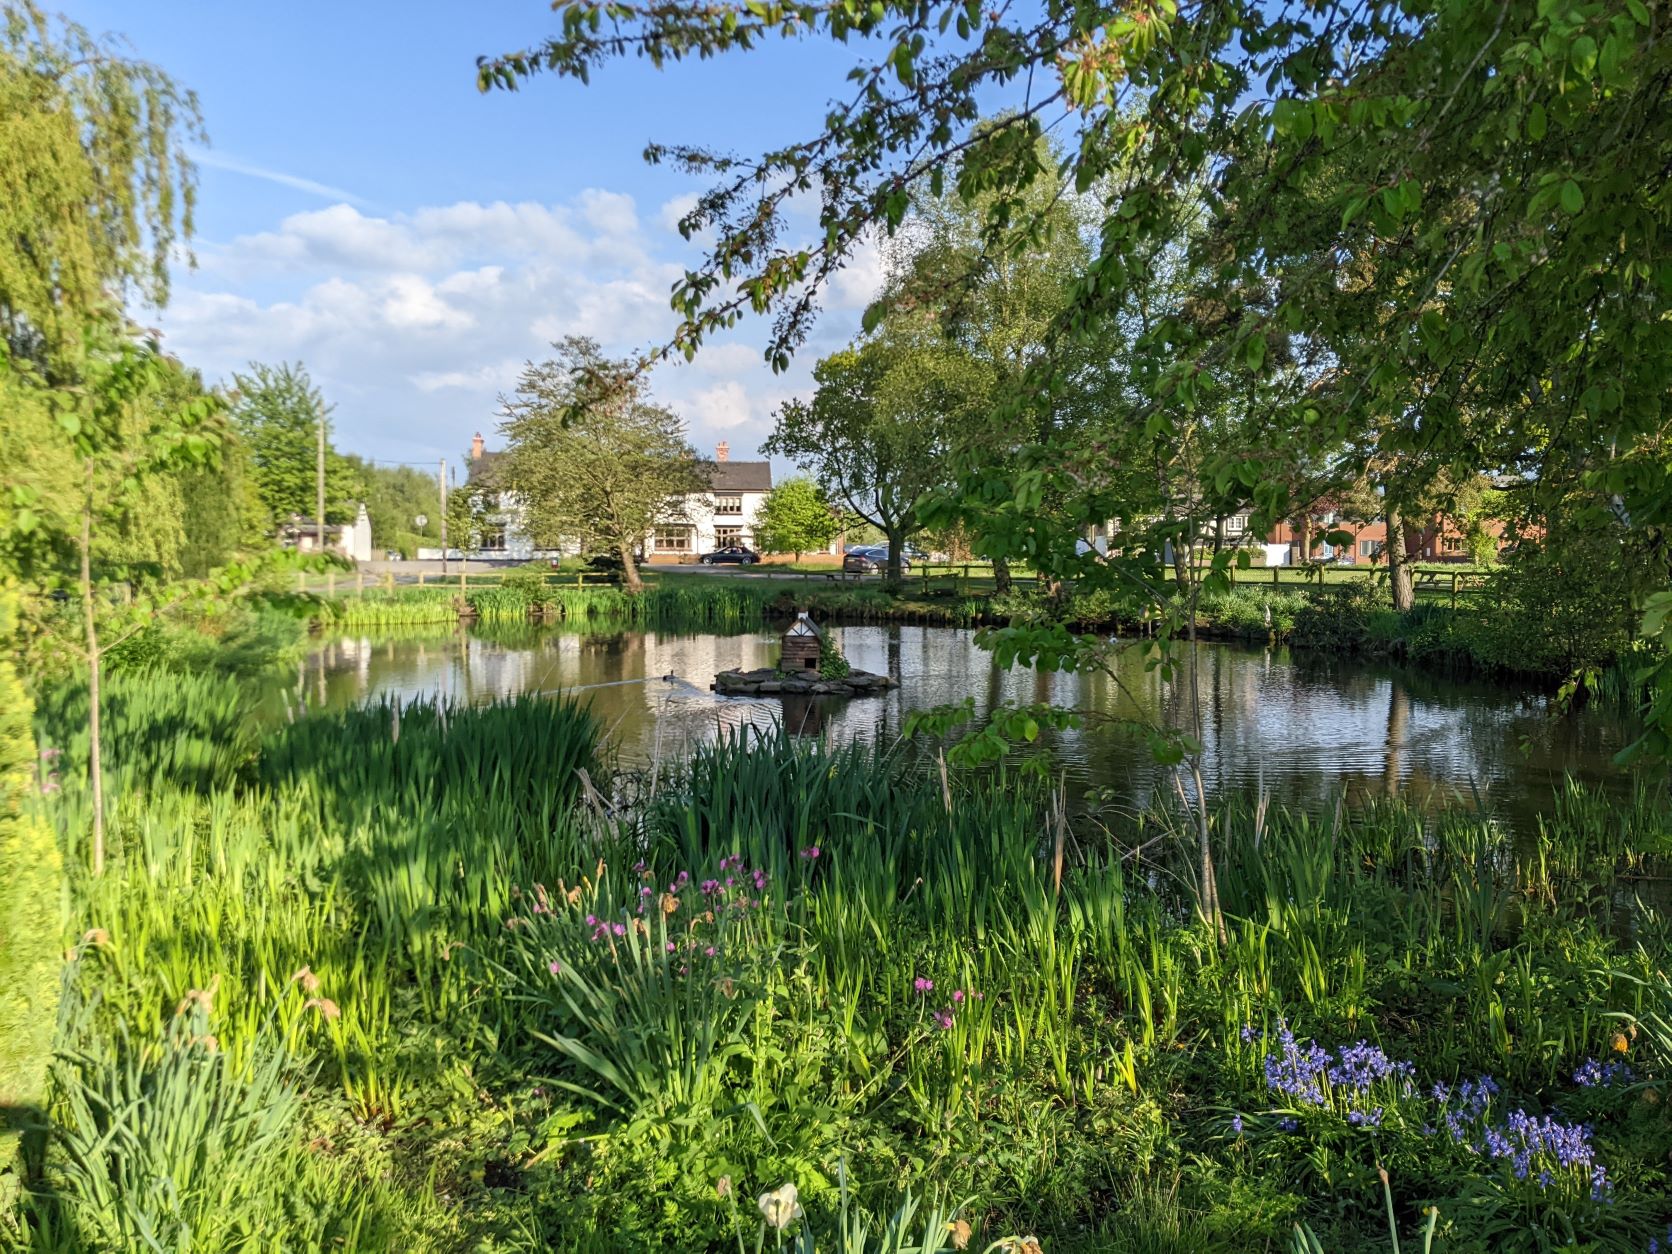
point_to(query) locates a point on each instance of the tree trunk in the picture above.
(629, 568)
(1303, 535)
(896, 542)
(1399, 572)
(1181, 567)
(95, 750)
(1001, 574)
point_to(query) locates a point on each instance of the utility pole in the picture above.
(319, 484)
(441, 479)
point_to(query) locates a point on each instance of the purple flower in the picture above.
(620, 929)
(944, 1019)
(710, 887)
(811, 853)
(957, 994)
(1236, 1124)
(923, 985)
(1248, 1032)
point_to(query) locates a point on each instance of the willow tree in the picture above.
(96, 193)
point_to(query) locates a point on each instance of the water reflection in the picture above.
(1303, 728)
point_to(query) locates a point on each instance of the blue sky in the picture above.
(366, 210)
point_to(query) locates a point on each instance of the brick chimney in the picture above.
(476, 448)
(722, 451)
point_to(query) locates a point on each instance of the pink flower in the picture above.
(554, 966)
(671, 947)
(592, 920)
(957, 994)
(620, 929)
(944, 1018)
(923, 985)
(709, 951)
(811, 853)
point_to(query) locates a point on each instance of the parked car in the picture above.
(869, 561)
(732, 553)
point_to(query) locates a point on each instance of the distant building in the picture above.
(703, 521)
(352, 540)
(725, 515)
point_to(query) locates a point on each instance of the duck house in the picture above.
(801, 646)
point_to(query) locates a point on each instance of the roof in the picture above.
(484, 467)
(732, 476)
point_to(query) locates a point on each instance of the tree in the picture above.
(593, 457)
(1450, 216)
(277, 411)
(796, 517)
(395, 497)
(96, 187)
(876, 434)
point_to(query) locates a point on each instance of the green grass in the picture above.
(435, 979)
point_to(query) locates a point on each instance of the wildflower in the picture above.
(554, 966)
(811, 853)
(327, 1008)
(1288, 1124)
(670, 903)
(1247, 1032)
(923, 985)
(647, 891)
(620, 929)
(97, 936)
(760, 880)
(780, 1207)
(957, 994)
(1236, 1124)
(944, 1019)
(710, 887)
(592, 920)
(709, 952)
(960, 1231)
(1297, 1071)
(672, 947)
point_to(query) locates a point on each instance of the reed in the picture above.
(429, 977)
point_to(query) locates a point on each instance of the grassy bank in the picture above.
(382, 979)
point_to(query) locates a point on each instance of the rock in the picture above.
(767, 687)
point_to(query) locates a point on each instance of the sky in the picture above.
(365, 210)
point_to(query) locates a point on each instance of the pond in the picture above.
(1304, 728)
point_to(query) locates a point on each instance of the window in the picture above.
(728, 503)
(1370, 548)
(673, 539)
(1236, 524)
(1451, 544)
(726, 537)
(493, 537)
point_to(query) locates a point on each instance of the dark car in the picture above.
(732, 553)
(871, 560)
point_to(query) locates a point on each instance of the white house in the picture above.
(725, 515)
(702, 522)
(352, 540)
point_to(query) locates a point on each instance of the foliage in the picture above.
(877, 433)
(30, 891)
(796, 517)
(277, 412)
(1397, 236)
(95, 179)
(832, 665)
(592, 456)
(880, 982)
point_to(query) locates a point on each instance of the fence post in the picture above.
(331, 582)
(389, 580)
(1454, 589)
(1275, 572)
(359, 580)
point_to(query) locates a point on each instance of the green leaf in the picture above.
(1536, 121)
(1573, 200)
(1254, 352)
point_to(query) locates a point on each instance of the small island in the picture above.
(809, 664)
(771, 681)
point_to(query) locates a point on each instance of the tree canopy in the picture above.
(593, 458)
(795, 517)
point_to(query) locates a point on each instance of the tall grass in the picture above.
(422, 977)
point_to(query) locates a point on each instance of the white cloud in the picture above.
(673, 210)
(413, 323)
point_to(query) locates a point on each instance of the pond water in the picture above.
(1304, 728)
